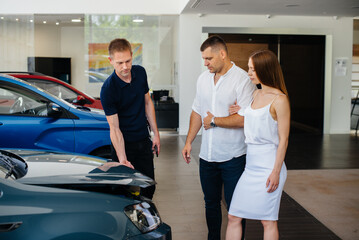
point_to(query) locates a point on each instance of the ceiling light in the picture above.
(137, 20)
(223, 4)
(31, 20)
(57, 23)
(44, 22)
(1, 18)
(76, 20)
(16, 19)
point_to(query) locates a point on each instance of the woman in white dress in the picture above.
(266, 127)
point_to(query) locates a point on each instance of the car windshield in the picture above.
(13, 101)
(55, 89)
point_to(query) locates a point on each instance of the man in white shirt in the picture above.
(222, 155)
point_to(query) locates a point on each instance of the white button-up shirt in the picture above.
(222, 144)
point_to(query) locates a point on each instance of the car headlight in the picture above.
(144, 215)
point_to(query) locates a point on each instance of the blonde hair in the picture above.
(119, 45)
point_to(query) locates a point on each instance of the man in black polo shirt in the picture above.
(128, 108)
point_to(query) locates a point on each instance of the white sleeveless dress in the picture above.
(250, 199)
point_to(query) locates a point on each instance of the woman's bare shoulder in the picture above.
(281, 101)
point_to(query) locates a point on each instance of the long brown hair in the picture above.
(268, 69)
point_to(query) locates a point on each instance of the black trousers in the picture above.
(140, 155)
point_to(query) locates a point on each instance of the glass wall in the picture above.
(85, 41)
(153, 43)
(16, 41)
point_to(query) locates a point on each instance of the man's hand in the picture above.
(207, 121)
(106, 166)
(156, 145)
(127, 164)
(186, 152)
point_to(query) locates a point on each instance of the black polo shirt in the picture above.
(128, 101)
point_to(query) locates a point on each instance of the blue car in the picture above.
(32, 118)
(52, 195)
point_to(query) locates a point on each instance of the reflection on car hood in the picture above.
(130, 179)
(99, 114)
(54, 168)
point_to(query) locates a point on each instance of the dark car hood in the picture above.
(53, 168)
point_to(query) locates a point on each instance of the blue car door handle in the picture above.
(7, 227)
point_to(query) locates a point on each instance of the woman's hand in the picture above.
(207, 121)
(234, 109)
(272, 182)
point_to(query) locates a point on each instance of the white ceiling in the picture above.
(65, 19)
(339, 8)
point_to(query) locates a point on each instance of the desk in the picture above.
(166, 114)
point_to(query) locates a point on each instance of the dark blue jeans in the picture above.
(213, 176)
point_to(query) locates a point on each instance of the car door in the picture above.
(24, 121)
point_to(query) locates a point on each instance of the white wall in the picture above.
(57, 41)
(47, 41)
(340, 39)
(93, 6)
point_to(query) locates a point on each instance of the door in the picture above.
(302, 58)
(24, 122)
(302, 61)
(239, 53)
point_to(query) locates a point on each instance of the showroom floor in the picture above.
(321, 199)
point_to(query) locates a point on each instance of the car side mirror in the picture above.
(12, 164)
(80, 100)
(54, 110)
